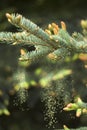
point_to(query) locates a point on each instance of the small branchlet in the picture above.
(13, 20)
(65, 127)
(79, 106)
(30, 27)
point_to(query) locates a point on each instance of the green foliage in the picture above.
(54, 55)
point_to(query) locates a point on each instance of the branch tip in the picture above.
(63, 25)
(19, 17)
(8, 16)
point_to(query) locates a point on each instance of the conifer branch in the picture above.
(62, 51)
(64, 39)
(60, 43)
(54, 43)
(21, 38)
(37, 54)
(30, 27)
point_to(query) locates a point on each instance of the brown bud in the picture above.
(18, 18)
(55, 31)
(8, 16)
(49, 26)
(22, 51)
(48, 31)
(83, 56)
(63, 25)
(52, 56)
(55, 26)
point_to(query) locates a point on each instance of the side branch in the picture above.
(30, 27)
(21, 38)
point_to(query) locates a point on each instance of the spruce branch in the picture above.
(37, 54)
(40, 52)
(54, 41)
(64, 39)
(30, 27)
(57, 53)
(22, 38)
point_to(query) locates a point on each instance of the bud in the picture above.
(55, 26)
(84, 24)
(78, 112)
(63, 25)
(8, 16)
(52, 56)
(6, 112)
(18, 18)
(65, 127)
(22, 51)
(48, 31)
(55, 31)
(49, 26)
